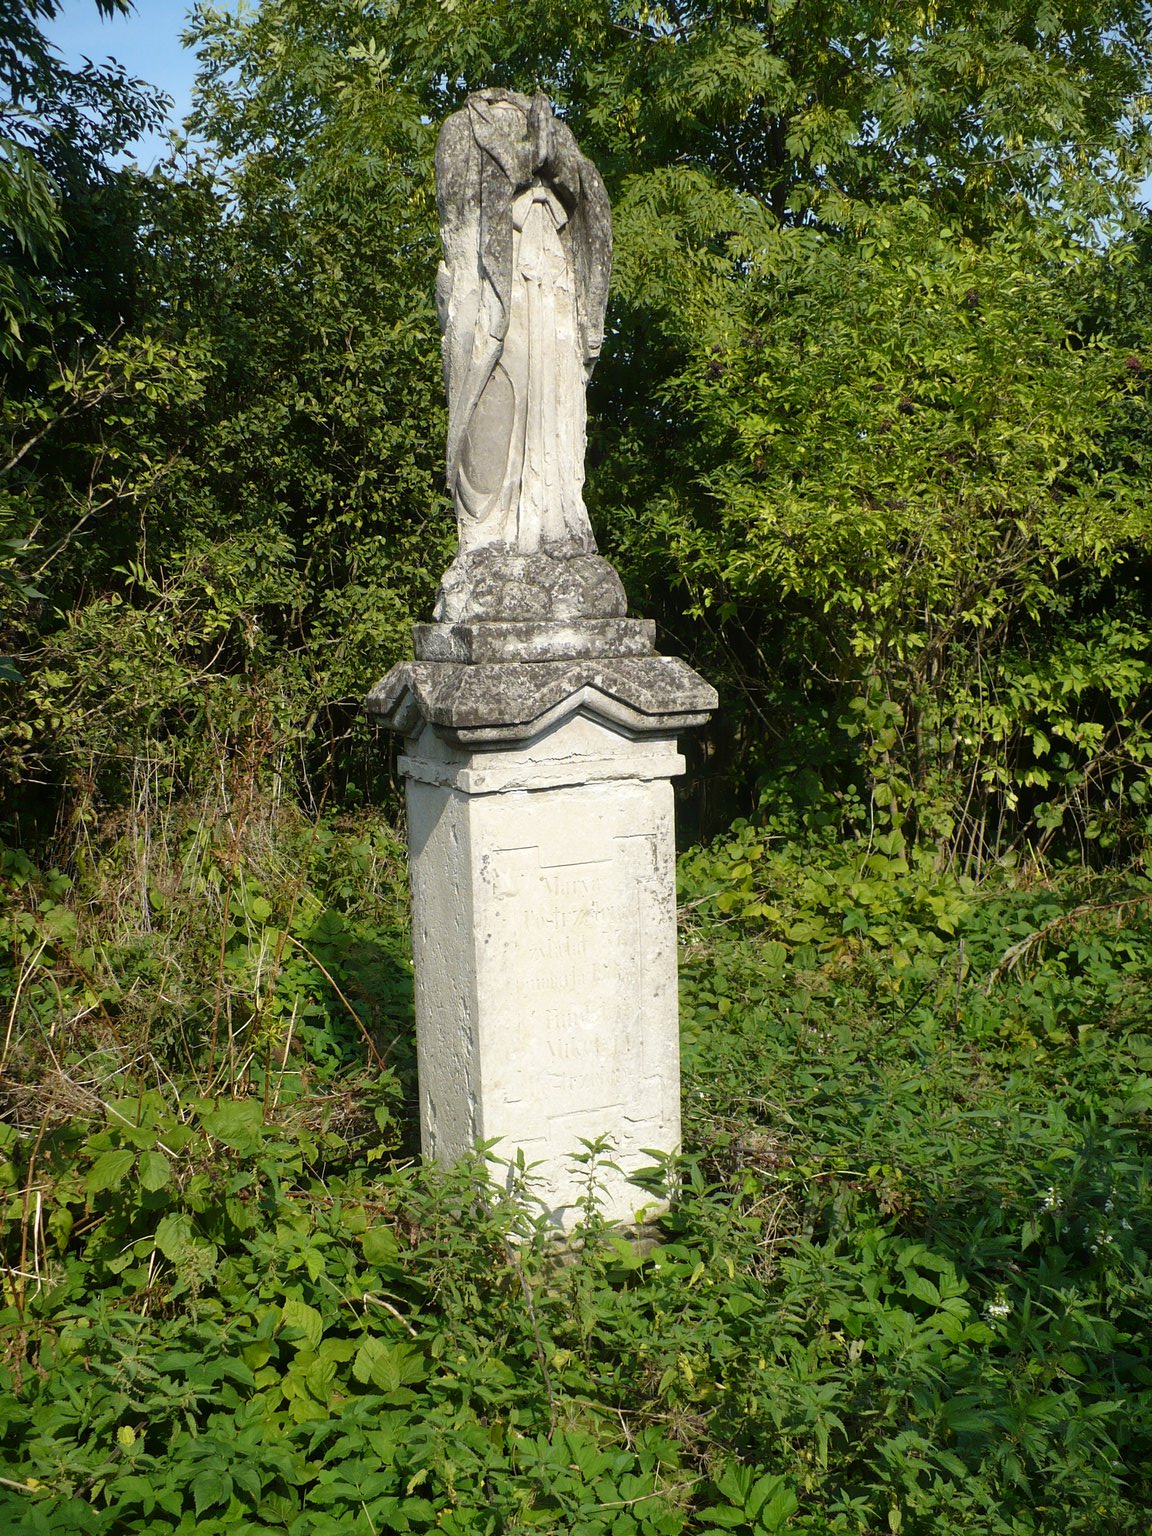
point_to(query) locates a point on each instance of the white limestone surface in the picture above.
(544, 928)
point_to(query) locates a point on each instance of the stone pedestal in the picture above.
(544, 923)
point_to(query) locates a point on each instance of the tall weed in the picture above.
(903, 1286)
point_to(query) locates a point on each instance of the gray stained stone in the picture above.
(513, 641)
(494, 585)
(514, 701)
(544, 950)
(521, 293)
(531, 622)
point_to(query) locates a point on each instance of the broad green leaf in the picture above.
(238, 1123)
(211, 1488)
(297, 1315)
(388, 1366)
(155, 1170)
(109, 1171)
(380, 1245)
(173, 1235)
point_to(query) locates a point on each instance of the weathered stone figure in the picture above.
(539, 724)
(521, 292)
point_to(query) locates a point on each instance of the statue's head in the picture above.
(500, 100)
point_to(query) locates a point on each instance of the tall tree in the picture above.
(61, 221)
(277, 517)
(872, 412)
(67, 304)
(866, 410)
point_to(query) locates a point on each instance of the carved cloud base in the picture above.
(495, 585)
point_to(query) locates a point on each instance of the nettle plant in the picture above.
(903, 1285)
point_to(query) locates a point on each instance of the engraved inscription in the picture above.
(568, 939)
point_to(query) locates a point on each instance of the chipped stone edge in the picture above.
(497, 781)
(481, 704)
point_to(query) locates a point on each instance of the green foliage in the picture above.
(60, 125)
(903, 1285)
(226, 490)
(959, 1147)
(874, 411)
(82, 393)
(233, 946)
(869, 489)
(873, 408)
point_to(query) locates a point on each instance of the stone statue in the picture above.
(521, 293)
(539, 723)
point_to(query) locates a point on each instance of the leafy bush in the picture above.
(903, 1286)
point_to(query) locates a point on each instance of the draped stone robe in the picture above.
(521, 293)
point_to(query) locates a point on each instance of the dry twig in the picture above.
(1023, 947)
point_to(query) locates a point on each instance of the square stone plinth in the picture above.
(544, 935)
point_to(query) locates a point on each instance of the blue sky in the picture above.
(147, 43)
